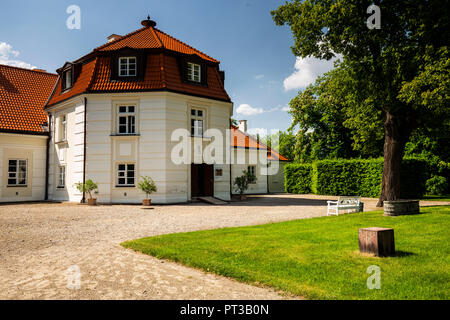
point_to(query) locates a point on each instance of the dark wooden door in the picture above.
(202, 180)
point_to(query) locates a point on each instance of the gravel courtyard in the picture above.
(40, 241)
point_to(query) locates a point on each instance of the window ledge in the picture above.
(16, 186)
(202, 138)
(125, 186)
(125, 135)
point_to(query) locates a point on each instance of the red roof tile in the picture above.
(162, 70)
(23, 94)
(152, 38)
(240, 139)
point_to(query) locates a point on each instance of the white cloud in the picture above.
(259, 76)
(248, 110)
(8, 55)
(286, 108)
(261, 131)
(306, 72)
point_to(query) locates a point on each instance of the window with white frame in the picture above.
(61, 176)
(17, 172)
(197, 119)
(67, 75)
(125, 174)
(126, 120)
(127, 66)
(252, 171)
(63, 127)
(193, 72)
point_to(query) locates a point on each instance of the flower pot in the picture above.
(92, 202)
(146, 202)
(243, 197)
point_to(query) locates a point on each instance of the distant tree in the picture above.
(399, 64)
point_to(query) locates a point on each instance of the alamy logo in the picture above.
(73, 278)
(374, 281)
(374, 21)
(74, 20)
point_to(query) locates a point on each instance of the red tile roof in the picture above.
(162, 68)
(23, 94)
(152, 38)
(240, 139)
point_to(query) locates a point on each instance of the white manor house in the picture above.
(110, 116)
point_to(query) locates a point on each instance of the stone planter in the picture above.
(243, 197)
(146, 202)
(92, 202)
(401, 207)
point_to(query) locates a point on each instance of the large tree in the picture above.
(395, 61)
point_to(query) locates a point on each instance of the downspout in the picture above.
(267, 173)
(83, 200)
(47, 156)
(229, 152)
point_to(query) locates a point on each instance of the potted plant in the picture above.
(148, 186)
(242, 183)
(89, 187)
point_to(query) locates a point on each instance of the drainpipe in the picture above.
(229, 152)
(83, 200)
(47, 155)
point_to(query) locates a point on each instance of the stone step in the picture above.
(212, 200)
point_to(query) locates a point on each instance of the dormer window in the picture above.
(67, 79)
(127, 66)
(193, 72)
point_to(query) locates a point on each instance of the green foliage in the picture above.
(282, 142)
(353, 177)
(297, 177)
(89, 186)
(398, 75)
(242, 182)
(437, 185)
(147, 185)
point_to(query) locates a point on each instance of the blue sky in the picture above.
(262, 74)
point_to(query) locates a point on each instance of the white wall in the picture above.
(33, 149)
(245, 157)
(158, 114)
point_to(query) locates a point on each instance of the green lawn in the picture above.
(319, 258)
(436, 198)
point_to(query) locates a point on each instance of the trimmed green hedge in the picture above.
(297, 178)
(353, 177)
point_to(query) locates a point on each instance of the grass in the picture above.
(436, 198)
(319, 258)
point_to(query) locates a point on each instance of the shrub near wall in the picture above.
(297, 178)
(354, 177)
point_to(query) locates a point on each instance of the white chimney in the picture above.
(243, 125)
(113, 37)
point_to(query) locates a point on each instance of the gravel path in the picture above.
(40, 241)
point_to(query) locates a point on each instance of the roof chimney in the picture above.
(148, 23)
(243, 125)
(113, 37)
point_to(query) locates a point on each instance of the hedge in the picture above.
(354, 177)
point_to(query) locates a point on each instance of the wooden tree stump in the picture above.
(377, 241)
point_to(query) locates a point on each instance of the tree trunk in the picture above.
(394, 146)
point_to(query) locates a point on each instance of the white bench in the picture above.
(343, 203)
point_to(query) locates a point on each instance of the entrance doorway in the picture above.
(202, 180)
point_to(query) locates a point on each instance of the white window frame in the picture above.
(67, 79)
(63, 127)
(16, 174)
(194, 72)
(123, 174)
(253, 171)
(195, 119)
(61, 176)
(130, 119)
(127, 71)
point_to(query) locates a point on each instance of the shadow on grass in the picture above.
(400, 254)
